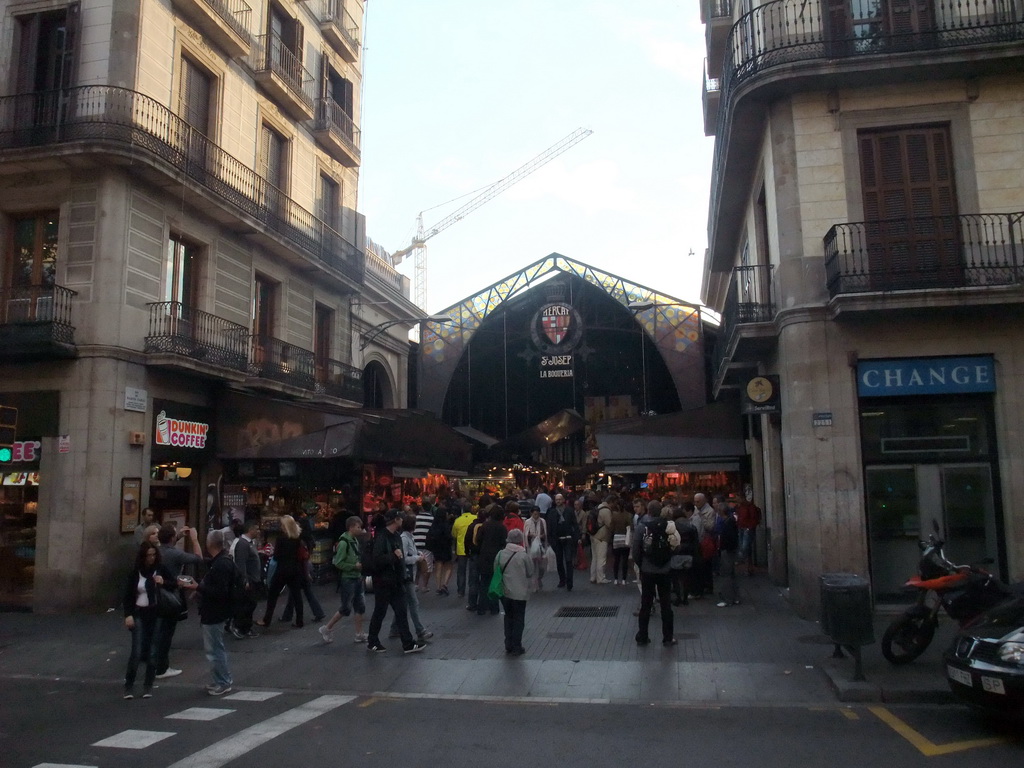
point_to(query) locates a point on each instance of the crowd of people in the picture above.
(499, 550)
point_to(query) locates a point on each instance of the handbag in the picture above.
(536, 547)
(496, 589)
(708, 547)
(169, 603)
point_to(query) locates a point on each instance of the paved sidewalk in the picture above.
(759, 651)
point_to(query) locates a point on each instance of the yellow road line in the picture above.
(849, 714)
(923, 744)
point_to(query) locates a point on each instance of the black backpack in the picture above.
(366, 558)
(471, 549)
(656, 548)
(592, 524)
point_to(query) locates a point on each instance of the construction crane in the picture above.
(418, 245)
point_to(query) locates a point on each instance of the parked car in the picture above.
(985, 662)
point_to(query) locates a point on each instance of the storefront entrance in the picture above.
(902, 502)
(927, 428)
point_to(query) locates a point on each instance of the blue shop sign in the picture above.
(926, 376)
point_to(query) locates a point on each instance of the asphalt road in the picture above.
(65, 723)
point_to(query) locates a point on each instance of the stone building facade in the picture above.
(179, 220)
(865, 250)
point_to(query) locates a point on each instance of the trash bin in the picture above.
(846, 614)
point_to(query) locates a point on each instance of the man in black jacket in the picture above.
(216, 603)
(247, 562)
(389, 574)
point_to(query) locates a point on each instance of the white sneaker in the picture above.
(362, 638)
(326, 634)
(722, 604)
(169, 673)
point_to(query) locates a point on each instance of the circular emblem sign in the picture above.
(760, 389)
(556, 326)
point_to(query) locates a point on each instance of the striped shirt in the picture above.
(419, 534)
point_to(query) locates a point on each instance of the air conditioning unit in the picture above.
(136, 438)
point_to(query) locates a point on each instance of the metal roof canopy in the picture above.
(698, 440)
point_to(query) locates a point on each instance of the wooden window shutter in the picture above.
(72, 35)
(194, 90)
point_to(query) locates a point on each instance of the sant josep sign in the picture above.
(556, 330)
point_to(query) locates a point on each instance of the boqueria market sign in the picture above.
(926, 376)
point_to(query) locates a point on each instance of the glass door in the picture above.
(969, 516)
(894, 527)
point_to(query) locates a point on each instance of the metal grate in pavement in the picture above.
(561, 635)
(587, 612)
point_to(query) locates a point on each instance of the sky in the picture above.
(457, 94)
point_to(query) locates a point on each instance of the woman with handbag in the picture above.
(516, 570)
(141, 600)
(289, 572)
(621, 526)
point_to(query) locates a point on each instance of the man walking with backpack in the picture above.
(653, 543)
(350, 580)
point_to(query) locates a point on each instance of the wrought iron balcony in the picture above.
(224, 21)
(139, 126)
(35, 322)
(337, 132)
(965, 251)
(280, 72)
(279, 361)
(339, 380)
(717, 18)
(749, 301)
(802, 38)
(180, 330)
(337, 26)
(711, 97)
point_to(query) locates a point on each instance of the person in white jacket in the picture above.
(516, 572)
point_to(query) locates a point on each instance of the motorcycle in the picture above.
(964, 591)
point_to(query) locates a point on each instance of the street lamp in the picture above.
(377, 330)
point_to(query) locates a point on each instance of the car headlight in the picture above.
(1013, 652)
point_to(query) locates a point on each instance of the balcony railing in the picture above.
(37, 314)
(342, 27)
(785, 32)
(270, 54)
(718, 9)
(749, 300)
(138, 124)
(332, 118)
(965, 251)
(383, 271)
(234, 13)
(280, 361)
(339, 380)
(177, 329)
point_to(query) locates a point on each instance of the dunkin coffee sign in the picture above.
(179, 433)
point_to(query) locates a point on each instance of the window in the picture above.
(32, 255)
(273, 168)
(910, 205)
(180, 272)
(273, 156)
(46, 52)
(868, 25)
(323, 321)
(284, 45)
(195, 89)
(329, 201)
(263, 307)
(338, 95)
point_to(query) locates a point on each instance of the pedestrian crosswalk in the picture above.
(248, 737)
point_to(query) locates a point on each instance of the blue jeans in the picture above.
(216, 653)
(413, 604)
(144, 648)
(746, 553)
(461, 562)
(472, 582)
(351, 596)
